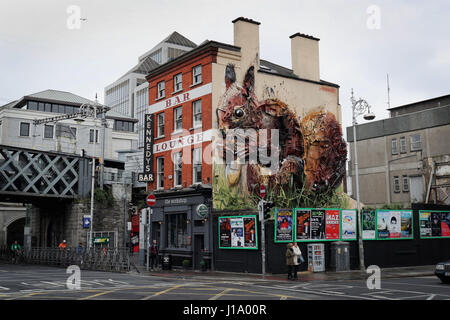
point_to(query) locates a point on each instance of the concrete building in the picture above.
(184, 97)
(104, 137)
(128, 95)
(406, 158)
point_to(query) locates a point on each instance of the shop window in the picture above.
(177, 233)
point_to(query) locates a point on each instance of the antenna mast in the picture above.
(388, 89)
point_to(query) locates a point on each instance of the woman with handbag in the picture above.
(298, 258)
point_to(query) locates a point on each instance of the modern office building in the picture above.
(406, 158)
(185, 95)
(128, 95)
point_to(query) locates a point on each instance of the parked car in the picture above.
(442, 271)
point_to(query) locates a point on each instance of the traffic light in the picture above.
(267, 206)
(131, 209)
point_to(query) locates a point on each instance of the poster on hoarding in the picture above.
(303, 220)
(317, 224)
(368, 224)
(407, 230)
(238, 232)
(332, 222)
(434, 224)
(394, 224)
(284, 225)
(348, 218)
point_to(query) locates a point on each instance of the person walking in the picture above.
(154, 255)
(290, 260)
(297, 259)
(15, 249)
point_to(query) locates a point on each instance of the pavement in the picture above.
(399, 272)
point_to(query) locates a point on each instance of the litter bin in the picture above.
(340, 256)
(167, 262)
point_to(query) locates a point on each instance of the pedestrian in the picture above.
(15, 249)
(80, 251)
(289, 260)
(154, 255)
(298, 258)
(63, 245)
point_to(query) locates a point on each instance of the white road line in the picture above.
(431, 297)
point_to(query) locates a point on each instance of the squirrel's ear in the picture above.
(249, 81)
(230, 75)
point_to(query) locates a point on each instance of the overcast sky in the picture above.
(410, 41)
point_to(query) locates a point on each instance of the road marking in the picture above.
(162, 292)
(217, 296)
(3, 288)
(96, 295)
(283, 298)
(431, 297)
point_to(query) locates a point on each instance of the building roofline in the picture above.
(209, 44)
(419, 102)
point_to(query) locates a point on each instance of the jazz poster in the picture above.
(332, 222)
(317, 224)
(284, 225)
(303, 221)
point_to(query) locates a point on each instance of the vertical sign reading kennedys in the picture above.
(284, 226)
(147, 175)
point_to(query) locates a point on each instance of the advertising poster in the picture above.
(237, 232)
(406, 224)
(383, 224)
(284, 225)
(425, 224)
(317, 224)
(445, 224)
(303, 224)
(225, 232)
(332, 221)
(250, 232)
(368, 224)
(436, 225)
(394, 224)
(348, 224)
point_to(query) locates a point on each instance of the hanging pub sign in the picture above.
(147, 175)
(434, 224)
(238, 232)
(284, 225)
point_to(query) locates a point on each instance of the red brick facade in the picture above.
(173, 100)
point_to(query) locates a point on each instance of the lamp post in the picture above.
(359, 107)
(91, 239)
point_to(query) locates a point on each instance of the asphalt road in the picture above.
(21, 282)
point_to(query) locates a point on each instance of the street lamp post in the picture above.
(91, 240)
(359, 107)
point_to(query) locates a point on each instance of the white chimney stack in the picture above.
(305, 56)
(246, 36)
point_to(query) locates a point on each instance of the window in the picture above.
(396, 184)
(394, 146)
(48, 107)
(177, 163)
(405, 183)
(178, 118)
(177, 233)
(41, 106)
(93, 135)
(197, 112)
(61, 109)
(55, 108)
(48, 131)
(197, 165)
(24, 129)
(161, 89)
(160, 173)
(177, 82)
(157, 56)
(174, 53)
(32, 105)
(74, 132)
(120, 125)
(197, 74)
(161, 124)
(402, 145)
(416, 142)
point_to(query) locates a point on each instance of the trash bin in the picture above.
(167, 262)
(316, 257)
(340, 256)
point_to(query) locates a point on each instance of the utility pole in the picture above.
(263, 237)
(149, 230)
(91, 239)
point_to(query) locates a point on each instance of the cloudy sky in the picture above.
(361, 42)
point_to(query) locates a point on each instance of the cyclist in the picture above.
(15, 249)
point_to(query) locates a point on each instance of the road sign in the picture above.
(151, 200)
(262, 191)
(86, 222)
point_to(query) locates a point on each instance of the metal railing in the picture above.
(101, 259)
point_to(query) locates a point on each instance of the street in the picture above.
(25, 282)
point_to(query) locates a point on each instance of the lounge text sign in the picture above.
(147, 175)
(182, 142)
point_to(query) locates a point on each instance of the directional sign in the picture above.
(151, 200)
(86, 222)
(262, 191)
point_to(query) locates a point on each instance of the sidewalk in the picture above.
(415, 271)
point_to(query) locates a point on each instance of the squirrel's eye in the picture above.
(238, 113)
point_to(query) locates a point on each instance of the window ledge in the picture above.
(198, 127)
(195, 84)
(178, 91)
(160, 137)
(160, 98)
